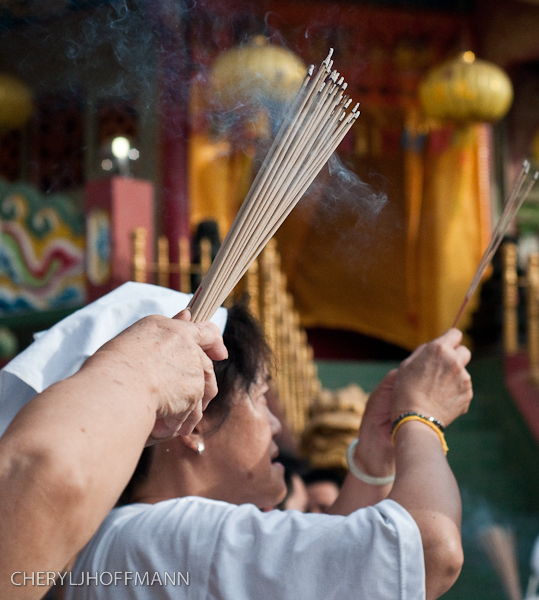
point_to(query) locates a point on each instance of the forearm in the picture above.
(373, 457)
(60, 477)
(426, 487)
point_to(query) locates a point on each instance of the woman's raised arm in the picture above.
(68, 454)
(432, 382)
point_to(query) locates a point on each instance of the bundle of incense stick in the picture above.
(313, 127)
(518, 194)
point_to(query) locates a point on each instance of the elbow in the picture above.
(443, 559)
(43, 493)
(59, 487)
(65, 488)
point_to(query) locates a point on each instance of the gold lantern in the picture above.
(15, 102)
(466, 89)
(254, 71)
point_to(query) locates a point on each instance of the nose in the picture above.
(275, 424)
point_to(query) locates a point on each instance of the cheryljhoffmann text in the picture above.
(105, 578)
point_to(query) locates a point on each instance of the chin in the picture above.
(273, 499)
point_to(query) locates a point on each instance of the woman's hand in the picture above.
(172, 360)
(374, 451)
(433, 380)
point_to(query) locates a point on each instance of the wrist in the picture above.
(125, 378)
(360, 473)
(374, 455)
(412, 428)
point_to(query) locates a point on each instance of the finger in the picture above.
(210, 382)
(192, 420)
(165, 428)
(467, 382)
(211, 341)
(452, 336)
(464, 355)
(184, 315)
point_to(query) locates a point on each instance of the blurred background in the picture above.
(131, 130)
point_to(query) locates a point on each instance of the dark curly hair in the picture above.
(248, 354)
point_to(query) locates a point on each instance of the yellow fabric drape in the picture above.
(454, 230)
(400, 277)
(403, 277)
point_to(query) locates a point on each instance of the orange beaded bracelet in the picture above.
(427, 421)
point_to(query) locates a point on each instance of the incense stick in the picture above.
(313, 127)
(512, 206)
(500, 545)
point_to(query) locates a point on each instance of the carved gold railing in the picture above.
(511, 283)
(163, 267)
(296, 374)
(297, 378)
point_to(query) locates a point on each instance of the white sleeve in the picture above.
(239, 553)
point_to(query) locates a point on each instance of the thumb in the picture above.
(184, 315)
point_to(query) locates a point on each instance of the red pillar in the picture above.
(172, 20)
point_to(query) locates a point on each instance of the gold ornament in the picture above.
(254, 71)
(15, 102)
(333, 424)
(466, 89)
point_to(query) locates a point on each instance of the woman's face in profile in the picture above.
(243, 451)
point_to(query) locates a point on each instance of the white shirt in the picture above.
(205, 549)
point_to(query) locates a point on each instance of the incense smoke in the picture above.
(107, 50)
(111, 50)
(346, 186)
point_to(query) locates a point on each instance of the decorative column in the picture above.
(510, 298)
(173, 31)
(114, 208)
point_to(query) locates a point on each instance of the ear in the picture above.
(194, 441)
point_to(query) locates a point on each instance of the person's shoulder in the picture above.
(140, 525)
(178, 511)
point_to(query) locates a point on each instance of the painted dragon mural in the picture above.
(41, 250)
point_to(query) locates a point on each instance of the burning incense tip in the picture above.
(328, 57)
